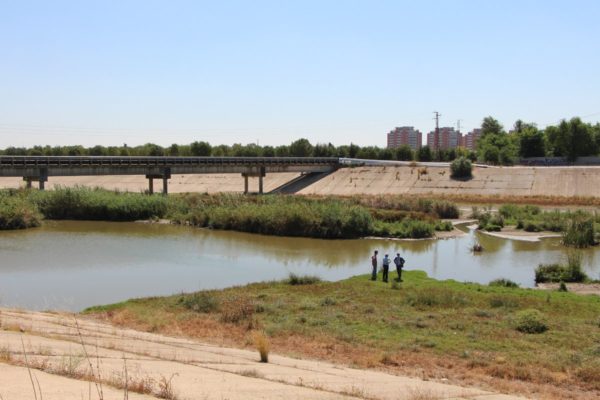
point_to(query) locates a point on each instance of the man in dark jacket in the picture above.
(399, 261)
(386, 267)
(374, 265)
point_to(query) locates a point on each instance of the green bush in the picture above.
(502, 282)
(530, 321)
(555, 273)
(199, 302)
(302, 279)
(461, 168)
(445, 209)
(579, 232)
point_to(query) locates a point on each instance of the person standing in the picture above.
(386, 267)
(374, 265)
(399, 261)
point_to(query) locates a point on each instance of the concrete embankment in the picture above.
(68, 356)
(492, 181)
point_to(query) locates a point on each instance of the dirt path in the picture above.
(167, 367)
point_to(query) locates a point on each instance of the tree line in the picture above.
(569, 139)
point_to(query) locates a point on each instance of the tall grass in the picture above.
(83, 203)
(569, 272)
(17, 212)
(325, 217)
(579, 232)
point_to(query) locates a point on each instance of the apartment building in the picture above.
(448, 138)
(404, 135)
(470, 139)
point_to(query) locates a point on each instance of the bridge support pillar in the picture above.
(150, 184)
(165, 176)
(41, 178)
(260, 174)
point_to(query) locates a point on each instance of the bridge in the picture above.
(39, 168)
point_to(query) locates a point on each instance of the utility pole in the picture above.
(436, 135)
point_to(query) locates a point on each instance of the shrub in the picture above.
(502, 282)
(579, 232)
(461, 168)
(16, 212)
(445, 209)
(571, 272)
(236, 309)
(302, 279)
(530, 321)
(200, 302)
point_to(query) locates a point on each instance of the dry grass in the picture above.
(261, 342)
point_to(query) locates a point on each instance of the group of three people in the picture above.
(399, 261)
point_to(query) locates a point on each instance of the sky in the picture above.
(113, 72)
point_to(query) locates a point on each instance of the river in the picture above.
(70, 265)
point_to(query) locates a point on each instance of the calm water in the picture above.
(73, 265)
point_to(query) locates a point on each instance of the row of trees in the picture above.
(570, 139)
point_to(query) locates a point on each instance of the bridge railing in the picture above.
(75, 161)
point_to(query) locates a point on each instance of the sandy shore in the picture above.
(579, 288)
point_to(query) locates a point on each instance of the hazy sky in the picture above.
(114, 72)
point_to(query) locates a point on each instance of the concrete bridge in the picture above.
(39, 168)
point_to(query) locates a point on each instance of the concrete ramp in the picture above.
(299, 183)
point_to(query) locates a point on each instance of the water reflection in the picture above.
(72, 265)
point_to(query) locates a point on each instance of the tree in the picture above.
(531, 142)
(495, 146)
(301, 148)
(200, 149)
(404, 153)
(491, 125)
(386, 154)
(424, 154)
(353, 150)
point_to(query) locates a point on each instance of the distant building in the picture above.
(404, 135)
(448, 139)
(470, 139)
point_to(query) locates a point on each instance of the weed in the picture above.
(165, 388)
(328, 301)
(530, 321)
(436, 297)
(251, 373)
(262, 345)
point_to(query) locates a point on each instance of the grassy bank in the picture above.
(463, 332)
(325, 217)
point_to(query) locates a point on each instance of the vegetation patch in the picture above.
(17, 211)
(555, 273)
(530, 321)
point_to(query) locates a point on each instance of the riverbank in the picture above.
(465, 333)
(167, 367)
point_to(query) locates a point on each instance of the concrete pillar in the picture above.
(260, 184)
(245, 183)
(27, 182)
(165, 180)
(42, 184)
(150, 185)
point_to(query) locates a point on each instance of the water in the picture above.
(72, 265)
